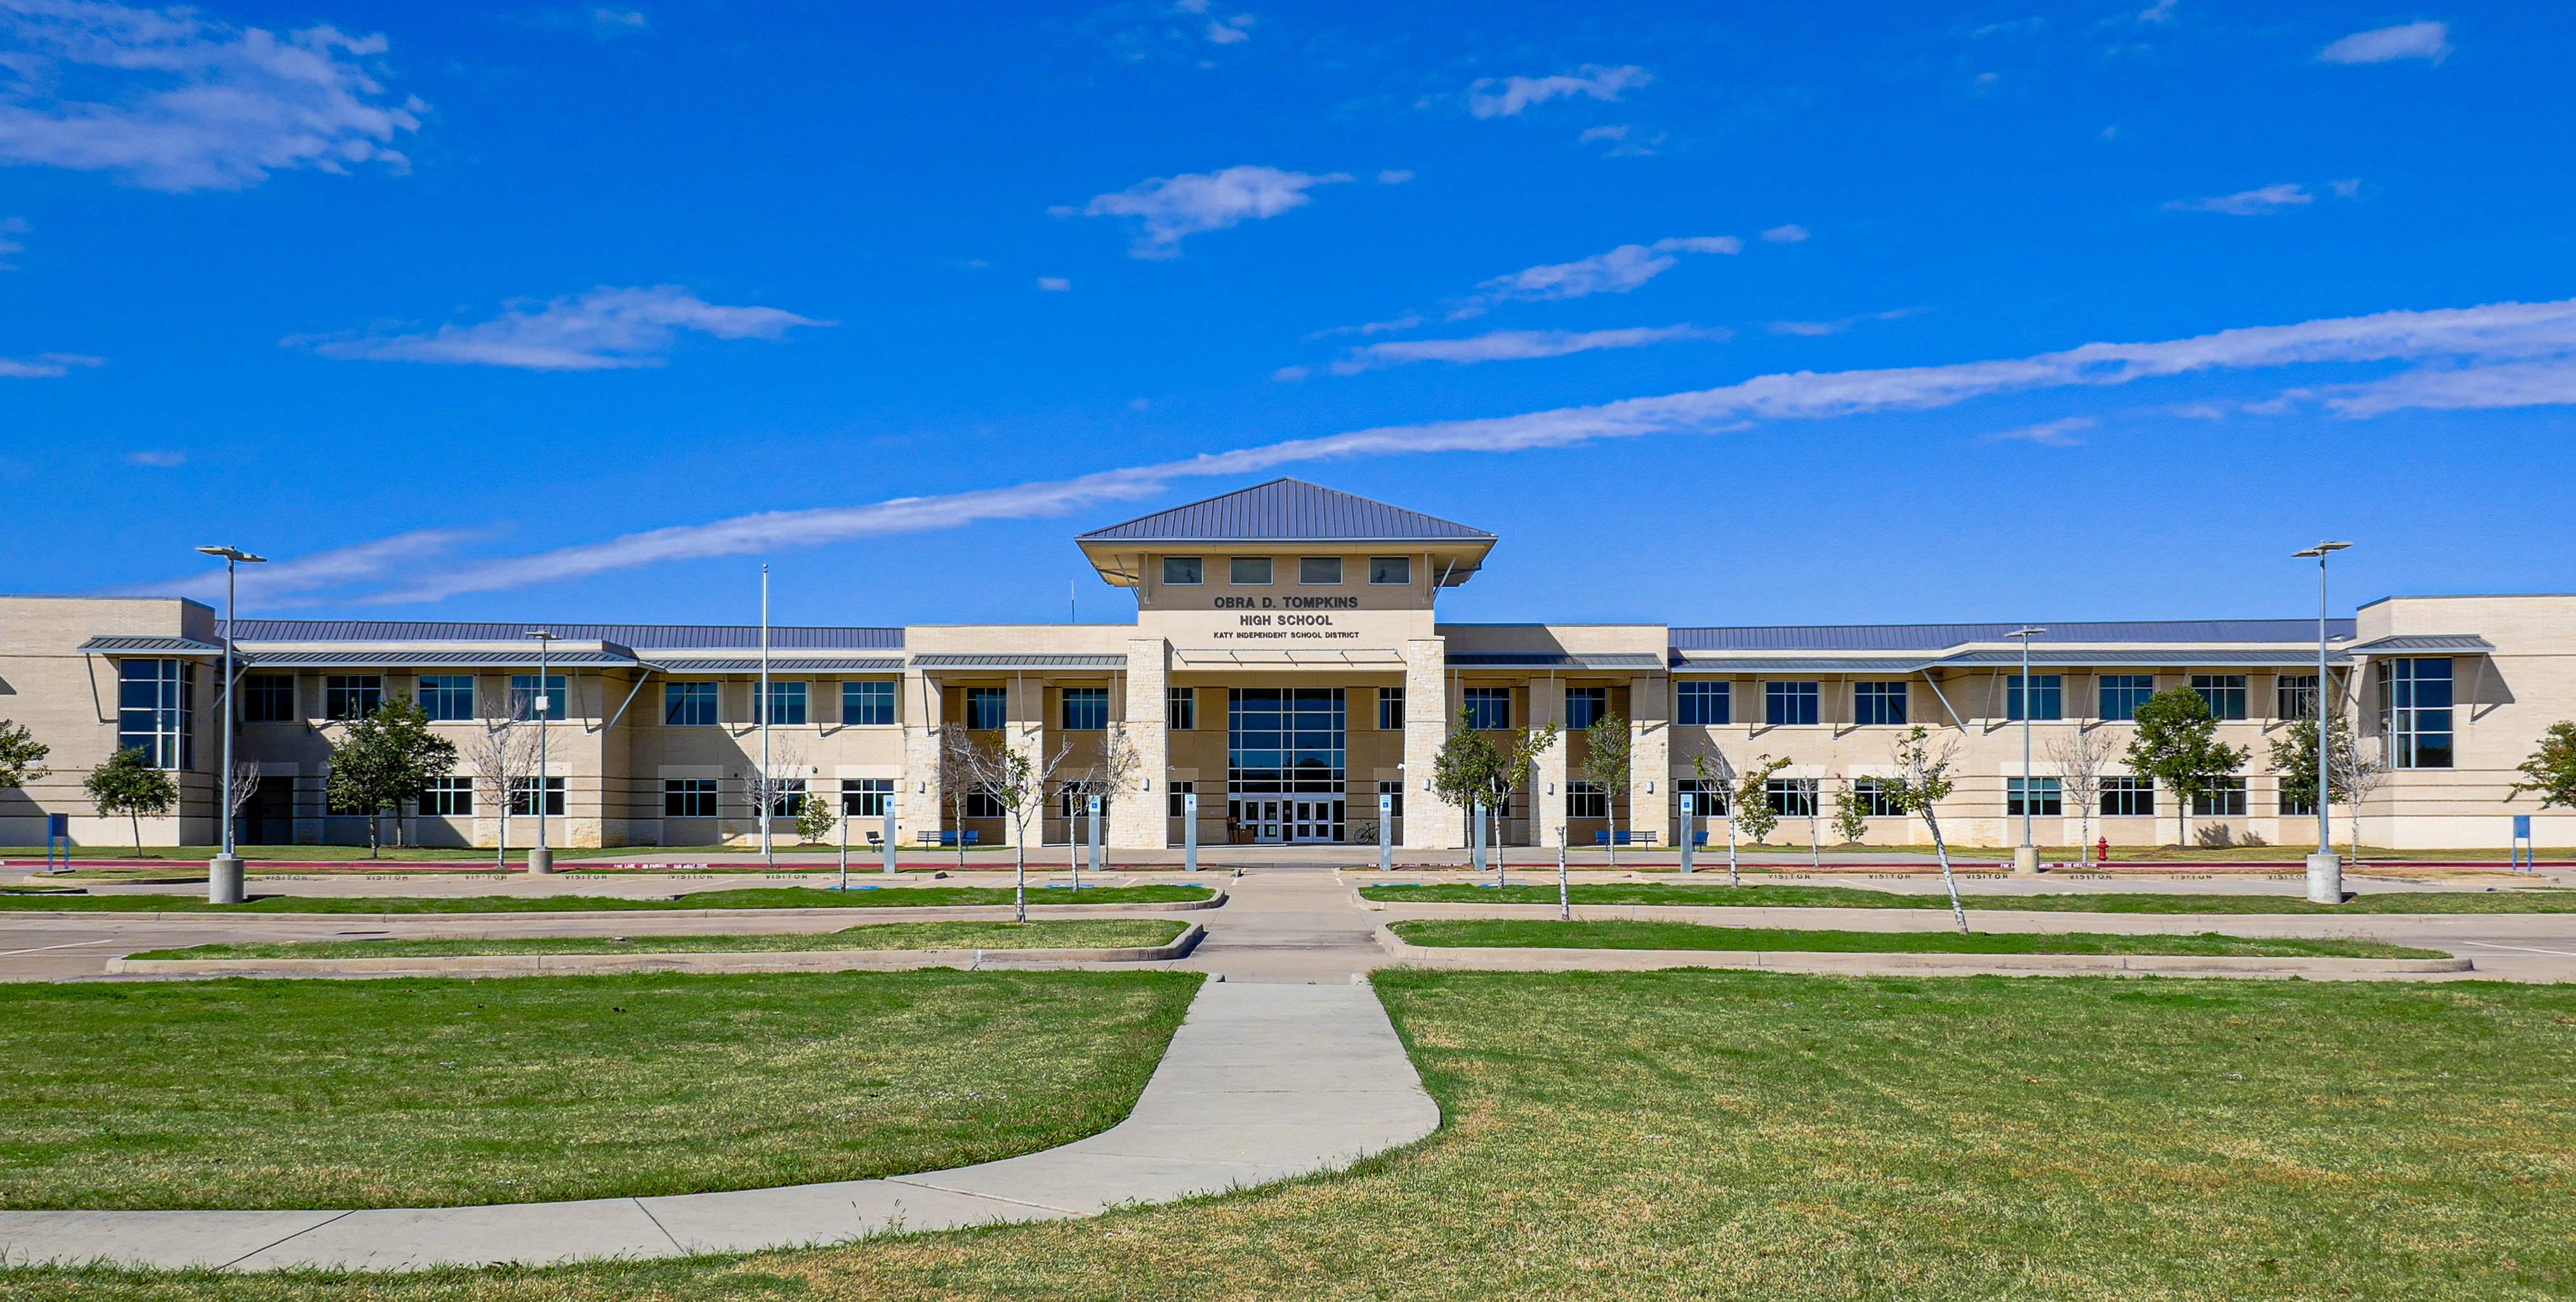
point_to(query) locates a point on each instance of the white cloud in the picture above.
(2385, 44)
(2348, 188)
(2055, 433)
(2162, 11)
(187, 104)
(1141, 29)
(1617, 132)
(1371, 327)
(604, 329)
(1615, 272)
(1519, 93)
(1172, 208)
(1290, 373)
(44, 365)
(156, 457)
(2248, 203)
(1835, 327)
(1511, 345)
(1393, 176)
(599, 21)
(1054, 284)
(10, 226)
(1789, 234)
(2495, 355)
(367, 563)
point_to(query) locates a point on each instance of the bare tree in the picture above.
(1922, 780)
(779, 789)
(1110, 778)
(2080, 757)
(1021, 787)
(245, 784)
(1717, 777)
(2356, 774)
(499, 759)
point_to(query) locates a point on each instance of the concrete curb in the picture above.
(1918, 964)
(484, 965)
(1261, 1083)
(962, 912)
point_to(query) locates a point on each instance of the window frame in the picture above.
(2049, 793)
(1876, 799)
(866, 797)
(1091, 698)
(1390, 701)
(868, 695)
(2050, 691)
(1309, 566)
(1237, 566)
(339, 689)
(525, 689)
(2289, 693)
(1590, 695)
(1000, 700)
(2136, 795)
(781, 692)
(1471, 698)
(159, 719)
(1586, 800)
(1713, 799)
(2225, 798)
(451, 796)
(680, 797)
(2224, 694)
(1792, 692)
(260, 695)
(1794, 797)
(1197, 571)
(1691, 698)
(2410, 724)
(1181, 709)
(1403, 565)
(440, 703)
(1879, 703)
(523, 792)
(677, 693)
(2134, 690)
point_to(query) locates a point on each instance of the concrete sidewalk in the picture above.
(1261, 1083)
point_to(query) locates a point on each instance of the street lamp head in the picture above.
(2322, 548)
(234, 554)
(2026, 631)
(539, 634)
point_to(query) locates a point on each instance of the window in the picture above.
(1393, 790)
(156, 711)
(524, 693)
(2128, 797)
(688, 797)
(868, 701)
(523, 797)
(1489, 708)
(1286, 740)
(1248, 571)
(2415, 707)
(2122, 694)
(1584, 706)
(982, 803)
(2047, 696)
(2046, 800)
(1390, 709)
(269, 698)
(1086, 709)
(986, 707)
(452, 797)
(1792, 797)
(1707, 800)
(1786, 703)
(447, 697)
(2224, 799)
(2224, 692)
(352, 696)
(787, 798)
(786, 702)
(1182, 570)
(2294, 696)
(1877, 703)
(1319, 569)
(1390, 569)
(2293, 807)
(1177, 797)
(1707, 703)
(689, 705)
(1181, 709)
(1586, 800)
(867, 797)
(1876, 799)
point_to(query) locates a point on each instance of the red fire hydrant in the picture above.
(2102, 850)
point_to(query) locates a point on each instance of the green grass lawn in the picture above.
(1071, 933)
(435, 1093)
(773, 897)
(1615, 934)
(1770, 1137)
(1852, 897)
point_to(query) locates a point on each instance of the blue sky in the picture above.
(583, 312)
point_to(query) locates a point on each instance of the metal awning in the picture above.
(2424, 642)
(779, 664)
(975, 660)
(159, 646)
(1556, 660)
(401, 657)
(1322, 657)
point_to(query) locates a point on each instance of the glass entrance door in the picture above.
(1316, 820)
(1267, 826)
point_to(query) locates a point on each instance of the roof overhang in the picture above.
(150, 646)
(1121, 562)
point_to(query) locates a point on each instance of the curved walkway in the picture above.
(1262, 1082)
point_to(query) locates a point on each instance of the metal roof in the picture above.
(168, 646)
(399, 657)
(1940, 637)
(2425, 642)
(1797, 665)
(1285, 510)
(969, 660)
(651, 636)
(2250, 658)
(777, 663)
(1549, 660)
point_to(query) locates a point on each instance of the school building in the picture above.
(1287, 665)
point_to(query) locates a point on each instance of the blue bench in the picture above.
(948, 836)
(1603, 836)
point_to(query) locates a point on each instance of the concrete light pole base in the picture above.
(2325, 878)
(224, 879)
(541, 860)
(2025, 861)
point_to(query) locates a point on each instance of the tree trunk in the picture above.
(1019, 874)
(1941, 850)
(134, 817)
(1733, 878)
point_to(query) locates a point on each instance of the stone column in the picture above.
(918, 798)
(1650, 733)
(1139, 818)
(1430, 823)
(1547, 812)
(1024, 729)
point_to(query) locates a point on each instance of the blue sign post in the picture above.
(1385, 832)
(1189, 831)
(1687, 798)
(2522, 851)
(58, 831)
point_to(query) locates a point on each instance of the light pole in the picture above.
(2325, 871)
(542, 859)
(224, 873)
(767, 787)
(2026, 855)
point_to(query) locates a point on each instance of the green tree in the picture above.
(1716, 775)
(126, 783)
(1516, 774)
(2552, 768)
(1609, 762)
(386, 758)
(2294, 757)
(814, 818)
(1922, 780)
(1468, 770)
(22, 757)
(1851, 812)
(2177, 745)
(1750, 809)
